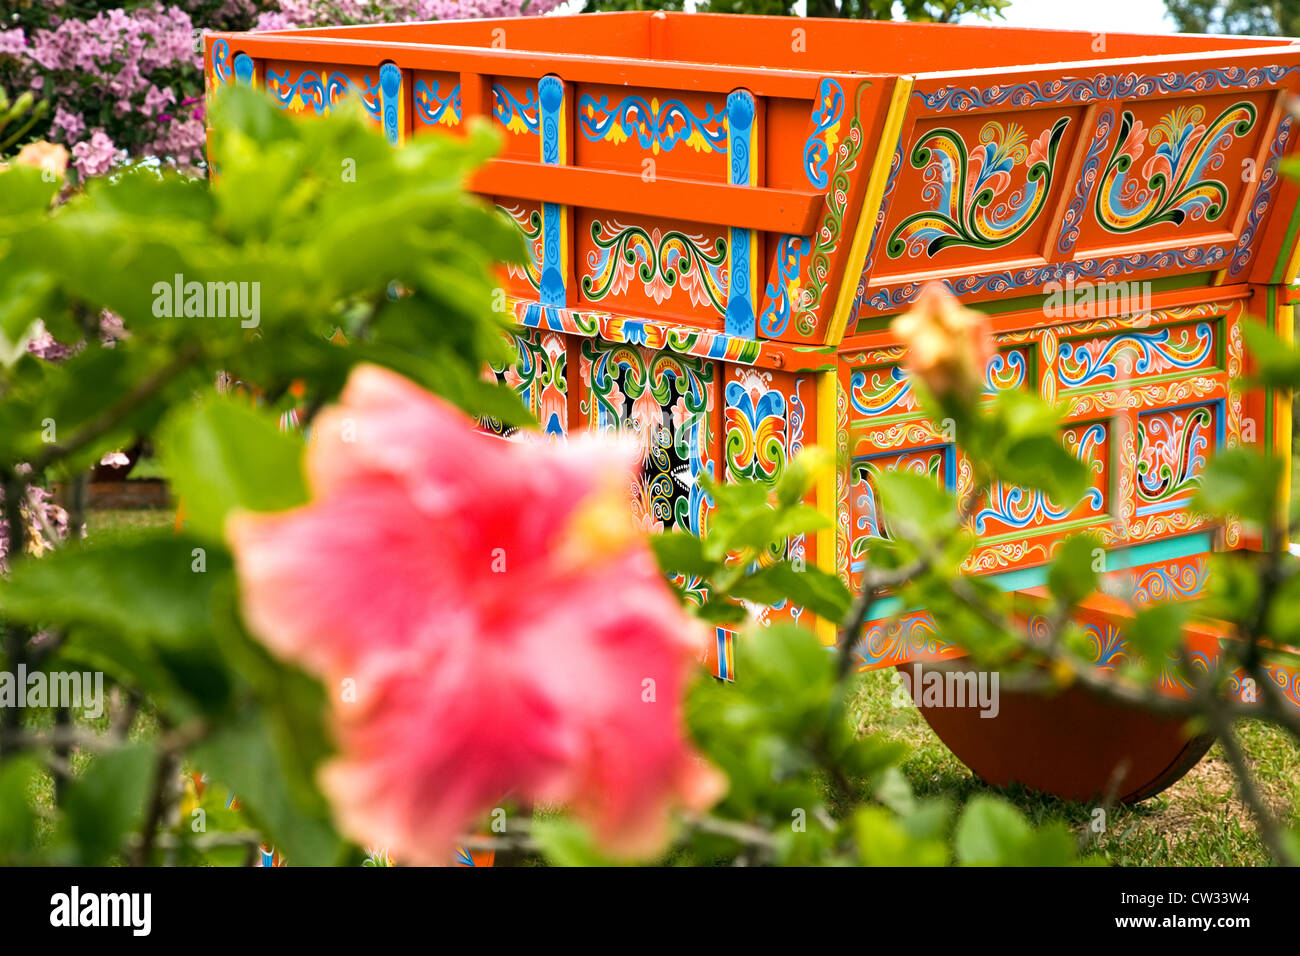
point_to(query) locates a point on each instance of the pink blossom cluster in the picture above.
(12, 42)
(128, 82)
(45, 346)
(45, 523)
(120, 83)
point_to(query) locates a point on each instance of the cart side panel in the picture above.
(1147, 398)
(1157, 175)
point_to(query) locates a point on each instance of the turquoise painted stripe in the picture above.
(1165, 550)
(1132, 556)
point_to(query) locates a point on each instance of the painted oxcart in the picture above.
(724, 213)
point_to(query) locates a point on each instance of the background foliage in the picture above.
(1253, 17)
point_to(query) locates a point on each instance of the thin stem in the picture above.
(113, 416)
(164, 786)
(15, 635)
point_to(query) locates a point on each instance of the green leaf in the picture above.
(107, 801)
(914, 505)
(990, 832)
(680, 552)
(872, 756)
(1277, 363)
(149, 587)
(1050, 845)
(1157, 631)
(1281, 655)
(224, 455)
(565, 842)
(60, 400)
(17, 819)
(1024, 448)
(245, 757)
(1073, 573)
(1240, 481)
(801, 474)
(895, 792)
(799, 519)
(822, 593)
(883, 840)
(23, 294)
(1233, 585)
(143, 609)
(1284, 617)
(24, 190)
(133, 662)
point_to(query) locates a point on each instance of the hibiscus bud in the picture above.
(948, 345)
(43, 155)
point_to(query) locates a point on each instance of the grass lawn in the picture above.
(123, 526)
(1199, 821)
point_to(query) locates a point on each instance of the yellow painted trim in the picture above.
(1288, 278)
(828, 384)
(1284, 324)
(407, 79)
(889, 143)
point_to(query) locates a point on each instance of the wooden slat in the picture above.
(745, 207)
(573, 67)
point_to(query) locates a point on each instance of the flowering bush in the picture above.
(120, 81)
(477, 623)
(124, 78)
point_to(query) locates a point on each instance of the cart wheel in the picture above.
(1073, 745)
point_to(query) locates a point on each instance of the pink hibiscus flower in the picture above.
(486, 618)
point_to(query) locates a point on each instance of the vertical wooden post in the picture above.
(393, 85)
(552, 118)
(244, 71)
(742, 170)
(475, 97)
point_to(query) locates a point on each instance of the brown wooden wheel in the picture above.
(1072, 745)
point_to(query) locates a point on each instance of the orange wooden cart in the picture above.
(725, 212)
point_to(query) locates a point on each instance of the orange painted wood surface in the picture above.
(771, 210)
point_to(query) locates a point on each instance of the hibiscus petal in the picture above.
(331, 582)
(495, 616)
